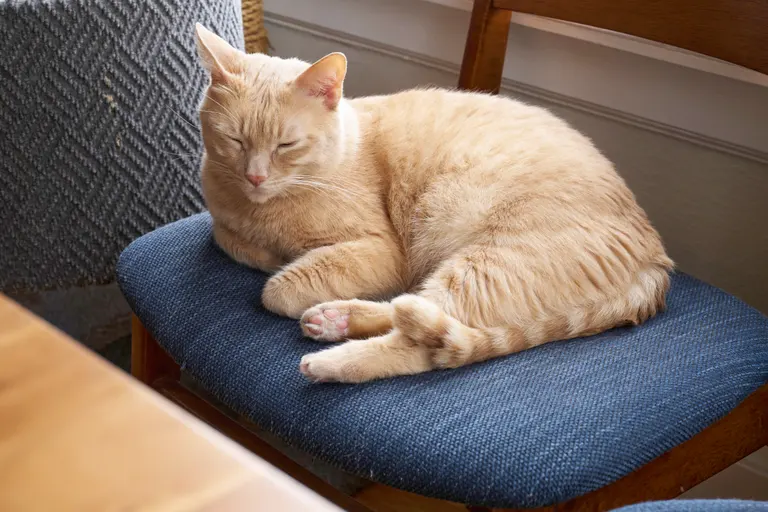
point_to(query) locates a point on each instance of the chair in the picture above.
(630, 415)
(731, 31)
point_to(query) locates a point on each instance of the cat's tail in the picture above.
(452, 343)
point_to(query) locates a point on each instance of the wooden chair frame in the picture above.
(743, 431)
(733, 31)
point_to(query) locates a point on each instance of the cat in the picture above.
(494, 225)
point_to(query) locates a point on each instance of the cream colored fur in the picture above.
(495, 225)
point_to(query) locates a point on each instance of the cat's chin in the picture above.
(259, 196)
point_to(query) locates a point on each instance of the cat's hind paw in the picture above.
(326, 322)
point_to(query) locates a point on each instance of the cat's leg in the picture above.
(371, 267)
(485, 303)
(488, 302)
(426, 332)
(424, 338)
(421, 325)
(363, 360)
(347, 319)
(246, 254)
(415, 345)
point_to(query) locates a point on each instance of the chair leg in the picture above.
(486, 47)
(149, 362)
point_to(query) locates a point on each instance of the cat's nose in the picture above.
(256, 180)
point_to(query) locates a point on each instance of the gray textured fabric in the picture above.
(99, 138)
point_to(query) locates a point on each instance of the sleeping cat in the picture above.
(495, 225)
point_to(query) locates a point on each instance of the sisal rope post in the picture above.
(254, 32)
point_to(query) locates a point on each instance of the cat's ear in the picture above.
(325, 79)
(217, 55)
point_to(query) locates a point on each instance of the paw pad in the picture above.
(324, 324)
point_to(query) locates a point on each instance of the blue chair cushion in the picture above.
(697, 506)
(527, 430)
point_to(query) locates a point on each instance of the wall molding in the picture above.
(510, 86)
(513, 87)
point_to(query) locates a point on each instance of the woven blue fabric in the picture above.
(698, 506)
(527, 430)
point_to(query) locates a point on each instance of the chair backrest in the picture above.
(731, 30)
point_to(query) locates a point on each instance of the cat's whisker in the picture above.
(318, 187)
(345, 192)
(226, 88)
(196, 128)
(308, 186)
(190, 155)
(214, 112)
(317, 179)
(311, 186)
(222, 114)
(230, 115)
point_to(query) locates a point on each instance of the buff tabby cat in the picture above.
(497, 226)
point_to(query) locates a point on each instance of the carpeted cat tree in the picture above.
(255, 35)
(99, 140)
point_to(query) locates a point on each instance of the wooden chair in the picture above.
(733, 30)
(730, 30)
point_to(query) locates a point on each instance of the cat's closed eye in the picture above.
(287, 145)
(237, 141)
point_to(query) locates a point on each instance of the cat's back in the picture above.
(465, 123)
(466, 168)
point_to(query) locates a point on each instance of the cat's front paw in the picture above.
(321, 367)
(283, 297)
(347, 362)
(326, 322)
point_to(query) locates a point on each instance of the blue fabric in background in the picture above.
(527, 430)
(698, 506)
